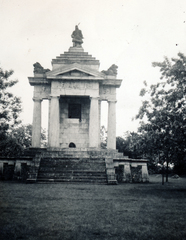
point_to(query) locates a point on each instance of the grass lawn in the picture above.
(87, 211)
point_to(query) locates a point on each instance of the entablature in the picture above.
(112, 82)
(77, 78)
(38, 81)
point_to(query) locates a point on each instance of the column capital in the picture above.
(112, 101)
(37, 99)
(96, 98)
(51, 96)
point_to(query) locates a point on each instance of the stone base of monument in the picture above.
(88, 165)
(63, 169)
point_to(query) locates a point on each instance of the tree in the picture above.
(23, 136)
(14, 137)
(131, 145)
(165, 112)
(10, 105)
(103, 137)
(120, 144)
(10, 108)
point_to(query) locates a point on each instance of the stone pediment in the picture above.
(75, 71)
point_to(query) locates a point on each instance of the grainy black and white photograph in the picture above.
(93, 120)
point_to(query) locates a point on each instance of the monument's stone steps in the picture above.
(82, 53)
(72, 170)
(73, 181)
(75, 55)
(76, 153)
(81, 57)
(73, 164)
(74, 60)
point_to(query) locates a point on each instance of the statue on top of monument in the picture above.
(39, 69)
(112, 71)
(77, 37)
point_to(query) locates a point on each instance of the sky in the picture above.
(129, 33)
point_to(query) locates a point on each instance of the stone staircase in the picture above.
(65, 169)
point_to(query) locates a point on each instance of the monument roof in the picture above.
(75, 55)
(75, 71)
(75, 64)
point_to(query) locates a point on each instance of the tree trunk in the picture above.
(167, 171)
(167, 167)
(163, 175)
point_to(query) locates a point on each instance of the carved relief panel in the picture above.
(70, 87)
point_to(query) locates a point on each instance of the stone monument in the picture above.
(75, 89)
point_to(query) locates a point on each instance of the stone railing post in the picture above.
(36, 127)
(93, 122)
(111, 141)
(145, 175)
(54, 126)
(1, 169)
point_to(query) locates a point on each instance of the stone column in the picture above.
(53, 140)
(36, 127)
(93, 122)
(99, 125)
(111, 141)
(49, 103)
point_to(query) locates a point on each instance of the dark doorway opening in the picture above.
(72, 145)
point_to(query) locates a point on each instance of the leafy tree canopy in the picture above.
(23, 135)
(163, 112)
(10, 105)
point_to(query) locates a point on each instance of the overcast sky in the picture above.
(129, 33)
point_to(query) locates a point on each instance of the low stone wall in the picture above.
(131, 170)
(15, 168)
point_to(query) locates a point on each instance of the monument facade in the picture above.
(74, 88)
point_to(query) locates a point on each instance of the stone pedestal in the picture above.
(36, 127)
(127, 173)
(145, 175)
(17, 170)
(54, 122)
(93, 123)
(111, 142)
